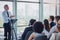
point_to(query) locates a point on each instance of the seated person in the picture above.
(28, 29)
(38, 28)
(56, 36)
(53, 29)
(46, 27)
(52, 23)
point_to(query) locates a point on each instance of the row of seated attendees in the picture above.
(48, 30)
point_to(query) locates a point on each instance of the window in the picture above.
(27, 11)
(49, 1)
(2, 9)
(50, 7)
(29, 0)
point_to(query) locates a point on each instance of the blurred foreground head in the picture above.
(38, 27)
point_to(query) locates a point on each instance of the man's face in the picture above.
(49, 19)
(56, 21)
(6, 7)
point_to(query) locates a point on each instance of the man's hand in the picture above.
(11, 16)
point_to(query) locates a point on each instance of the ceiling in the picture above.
(7, 0)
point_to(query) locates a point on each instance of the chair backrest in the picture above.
(28, 35)
(41, 37)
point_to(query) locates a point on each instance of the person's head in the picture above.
(31, 22)
(58, 26)
(6, 7)
(57, 18)
(51, 18)
(46, 25)
(38, 27)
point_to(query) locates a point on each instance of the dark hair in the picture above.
(57, 18)
(38, 27)
(46, 24)
(52, 18)
(6, 5)
(32, 22)
(58, 26)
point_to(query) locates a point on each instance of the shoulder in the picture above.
(38, 34)
(52, 23)
(53, 28)
(3, 13)
(28, 28)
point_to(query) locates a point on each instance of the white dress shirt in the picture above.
(46, 32)
(5, 16)
(52, 30)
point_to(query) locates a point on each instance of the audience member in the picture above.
(28, 29)
(53, 29)
(52, 23)
(46, 27)
(56, 36)
(38, 28)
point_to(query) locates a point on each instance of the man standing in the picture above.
(7, 28)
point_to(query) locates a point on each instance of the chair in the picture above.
(28, 35)
(41, 37)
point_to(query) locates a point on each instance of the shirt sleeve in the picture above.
(51, 31)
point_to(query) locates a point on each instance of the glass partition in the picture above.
(50, 7)
(49, 1)
(29, 0)
(27, 11)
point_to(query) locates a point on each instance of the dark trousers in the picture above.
(7, 31)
